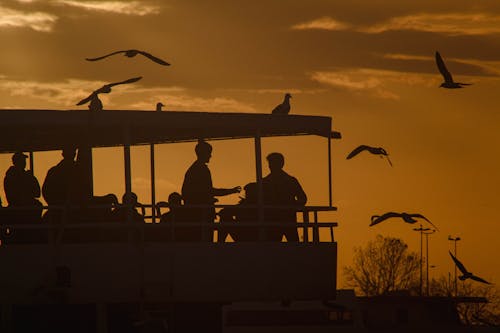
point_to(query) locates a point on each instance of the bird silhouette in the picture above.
(159, 105)
(408, 218)
(466, 274)
(374, 150)
(130, 54)
(95, 102)
(448, 79)
(283, 108)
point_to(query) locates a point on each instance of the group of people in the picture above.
(192, 212)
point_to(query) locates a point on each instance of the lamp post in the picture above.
(455, 240)
(421, 230)
(427, 258)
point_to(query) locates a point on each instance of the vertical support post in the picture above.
(330, 169)
(126, 160)
(153, 186)
(32, 163)
(456, 284)
(427, 263)
(260, 189)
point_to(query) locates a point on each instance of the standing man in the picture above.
(198, 189)
(281, 189)
(22, 189)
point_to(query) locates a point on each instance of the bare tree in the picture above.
(384, 265)
(471, 313)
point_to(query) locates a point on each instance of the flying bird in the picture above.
(159, 105)
(374, 150)
(466, 274)
(448, 79)
(408, 218)
(130, 54)
(283, 108)
(95, 102)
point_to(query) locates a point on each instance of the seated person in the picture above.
(184, 227)
(22, 191)
(127, 211)
(174, 204)
(231, 216)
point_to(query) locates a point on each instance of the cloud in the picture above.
(118, 7)
(446, 23)
(65, 94)
(487, 66)
(161, 185)
(374, 82)
(37, 21)
(322, 23)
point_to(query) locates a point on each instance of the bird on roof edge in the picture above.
(95, 102)
(374, 150)
(466, 274)
(159, 105)
(448, 79)
(132, 53)
(283, 108)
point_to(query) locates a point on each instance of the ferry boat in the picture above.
(76, 276)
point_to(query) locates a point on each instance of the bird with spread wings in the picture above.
(466, 274)
(408, 218)
(130, 54)
(448, 79)
(374, 150)
(95, 102)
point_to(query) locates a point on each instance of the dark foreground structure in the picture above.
(77, 271)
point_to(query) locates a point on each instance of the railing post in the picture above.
(153, 186)
(258, 172)
(330, 169)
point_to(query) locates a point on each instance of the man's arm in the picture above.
(219, 192)
(300, 195)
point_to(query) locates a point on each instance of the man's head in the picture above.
(19, 160)
(203, 151)
(129, 199)
(69, 153)
(174, 199)
(276, 162)
(251, 192)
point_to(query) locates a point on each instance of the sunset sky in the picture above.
(367, 64)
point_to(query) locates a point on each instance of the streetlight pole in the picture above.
(455, 240)
(421, 230)
(427, 258)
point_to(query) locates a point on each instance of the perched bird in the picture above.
(95, 102)
(283, 108)
(374, 150)
(408, 218)
(448, 79)
(130, 54)
(466, 274)
(159, 105)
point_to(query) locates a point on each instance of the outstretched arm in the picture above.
(219, 192)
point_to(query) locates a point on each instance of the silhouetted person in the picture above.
(246, 213)
(174, 205)
(127, 211)
(61, 183)
(281, 189)
(22, 190)
(198, 189)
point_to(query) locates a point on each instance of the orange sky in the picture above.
(368, 65)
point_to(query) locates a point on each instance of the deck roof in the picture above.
(41, 130)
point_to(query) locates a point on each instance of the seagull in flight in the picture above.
(130, 54)
(374, 150)
(466, 274)
(448, 79)
(408, 218)
(283, 108)
(95, 102)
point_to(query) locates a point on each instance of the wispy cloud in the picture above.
(443, 23)
(490, 67)
(38, 21)
(376, 83)
(119, 7)
(322, 23)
